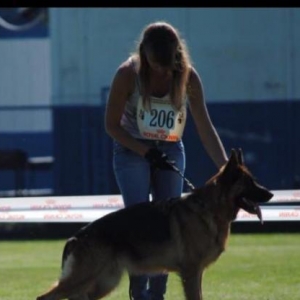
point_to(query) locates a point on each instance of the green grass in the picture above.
(256, 267)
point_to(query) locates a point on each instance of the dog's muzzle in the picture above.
(253, 207)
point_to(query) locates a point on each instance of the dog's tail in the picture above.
(69, 246)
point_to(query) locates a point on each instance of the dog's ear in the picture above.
(231, 166)
(234, 158)
(240, 156)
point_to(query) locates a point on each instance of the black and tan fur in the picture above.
(183, 235)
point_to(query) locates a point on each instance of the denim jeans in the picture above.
(136, 181)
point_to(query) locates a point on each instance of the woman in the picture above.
(146, 115)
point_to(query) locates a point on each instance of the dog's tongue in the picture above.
(258, 213)
(252, 208)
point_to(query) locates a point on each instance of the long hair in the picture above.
(162, 39)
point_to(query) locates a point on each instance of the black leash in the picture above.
(191, 186)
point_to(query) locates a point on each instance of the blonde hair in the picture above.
(161, 39)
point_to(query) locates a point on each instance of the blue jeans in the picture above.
(136, 180)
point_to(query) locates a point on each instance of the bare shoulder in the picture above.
(123, 83)
(126, 70)
(195, 88)
(194, 77)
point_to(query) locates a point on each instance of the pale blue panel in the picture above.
(294, 52)
(68, 44)
(240, 53)
(109, 41)
(25, 72)
(89, 43)
(25, 120)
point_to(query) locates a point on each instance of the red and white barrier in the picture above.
(88, 208)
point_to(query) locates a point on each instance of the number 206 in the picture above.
(162, 118)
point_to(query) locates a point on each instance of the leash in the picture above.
(191, 186)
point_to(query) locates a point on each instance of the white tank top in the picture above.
(161, 122)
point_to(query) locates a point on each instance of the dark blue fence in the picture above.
(268, 132)
(35, 145)
(83, 152)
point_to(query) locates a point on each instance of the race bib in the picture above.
(162, 121)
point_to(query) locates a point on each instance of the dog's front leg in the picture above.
(191, 279)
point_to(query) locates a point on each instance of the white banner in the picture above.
(88, 208)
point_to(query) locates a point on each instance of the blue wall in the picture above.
(82, 152)
(268, 133)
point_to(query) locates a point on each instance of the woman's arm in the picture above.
(122, 86)
(206, 130)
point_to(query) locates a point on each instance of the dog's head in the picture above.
(238, 186)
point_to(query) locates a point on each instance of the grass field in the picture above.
(254, 266)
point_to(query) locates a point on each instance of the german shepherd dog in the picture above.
(183, 235)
